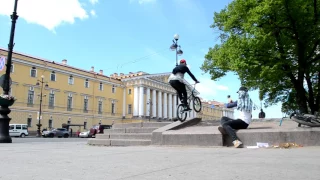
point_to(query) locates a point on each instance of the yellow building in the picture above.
(85, 97)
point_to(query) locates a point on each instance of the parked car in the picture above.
(18, 130)
(85, 134)
(59, 132)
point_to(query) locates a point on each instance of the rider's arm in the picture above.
(190, 74)
(233, 104)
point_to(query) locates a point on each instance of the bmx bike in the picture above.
(306, 119)
(182, 113)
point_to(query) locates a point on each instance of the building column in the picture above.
(154, 105)
(175, 106)
(159, 104)
(136, 101)
(124, 103)
(148, 102)
(165, 106)
(141, 102)
(170, 106)
(191, 107)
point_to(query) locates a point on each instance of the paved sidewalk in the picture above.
(76, 160)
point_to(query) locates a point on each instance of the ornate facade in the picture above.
(87, 97)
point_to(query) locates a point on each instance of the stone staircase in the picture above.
(129, 134)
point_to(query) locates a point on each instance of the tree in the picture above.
(272, 46)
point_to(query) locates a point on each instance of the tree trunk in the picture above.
(301, 100)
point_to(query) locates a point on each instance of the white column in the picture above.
(170, 106)
(191, 107)
(141, 102)
(160, 104)
(175, 106)
(136, 101)
(165, 106)
(154, 101)
(148, 102)
(124, 103)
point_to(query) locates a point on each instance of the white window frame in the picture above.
(85, 83)
(101, 86)
(31, 72)
(54, 98)
(113, 89)
(55, 76)
(70, 95)
(100, 100)
(72, 80)
(86, 97)
(129, 91)
(129, 108)
(31, 89)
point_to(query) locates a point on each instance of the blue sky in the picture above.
(123, 36)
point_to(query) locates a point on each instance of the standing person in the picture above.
(177, 81)
(244, 106)
(229, 99)
(262, 114)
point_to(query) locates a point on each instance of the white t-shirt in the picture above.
(245, 116)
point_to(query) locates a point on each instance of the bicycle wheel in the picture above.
(197, 104)
(181, 114)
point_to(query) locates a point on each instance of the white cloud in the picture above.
(93, 2)
(93, 12)
(47, 13)
(143, 1)
(207, 88)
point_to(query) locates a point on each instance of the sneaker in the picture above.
(237, 144)
(187, 108)
(222, 131)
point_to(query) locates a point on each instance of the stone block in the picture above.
(126, 142)
(102, 136)
(100, 142)
(140, 130)
(117, 130)
(144, 136)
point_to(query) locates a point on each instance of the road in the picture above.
(40, 140)
(71, 159)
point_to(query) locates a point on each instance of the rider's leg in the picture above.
(176, 85)
(185, 97)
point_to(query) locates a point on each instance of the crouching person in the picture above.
(244, 106)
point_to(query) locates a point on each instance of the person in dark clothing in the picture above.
(177, 81)
(262, 114)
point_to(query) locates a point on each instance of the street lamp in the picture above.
(176, 47)
(40, 108)
(4, 109)
(179, 52)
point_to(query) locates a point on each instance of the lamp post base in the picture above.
(4, 125)
(39, 131)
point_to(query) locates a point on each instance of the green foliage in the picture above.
(272, 45)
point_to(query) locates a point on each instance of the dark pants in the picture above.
(230, 125)
(181, 89)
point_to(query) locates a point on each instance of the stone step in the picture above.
(141, 124)
(127, 142)
(140, 130)
(99, 142)
(155, 124)
(116, 130)
(133, 136)
(127, 125)
(145, 136)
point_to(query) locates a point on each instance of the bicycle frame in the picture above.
(192, 96)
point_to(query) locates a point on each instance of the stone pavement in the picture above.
(77, 160)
